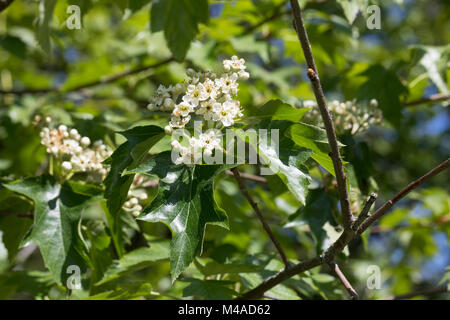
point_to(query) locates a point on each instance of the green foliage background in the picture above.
(56, 71)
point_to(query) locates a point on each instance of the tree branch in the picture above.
(247, 176)
(338, 245)
(103, 80)
(426, 292)
(278, 12)
(378, 213)
(365, 211)
(337, 271)
(432, 98)
(29, 214)
(281, 276)
(266, 227)
(326, 116)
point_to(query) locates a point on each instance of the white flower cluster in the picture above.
(76, 153)
(136, 196)
(206, 96)
(347, 116)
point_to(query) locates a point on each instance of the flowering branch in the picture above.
(326, 116)
(266, 227)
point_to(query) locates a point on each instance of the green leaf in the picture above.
(208, 289)
(286, 163)
(358, 154)
(128, 155)
(57, 212)
(385, 86)
(14, 45)
(352, 7)
(136, 260)
(179, 19)
(315, 139)
(316, 212)
(277, 110)
(100, 251)
(435, 62)
(36, 283)
(395, 217)
(186, 205)
(126, 291)
(14, 230)
(46, 8)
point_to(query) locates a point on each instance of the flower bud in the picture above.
(85, 141)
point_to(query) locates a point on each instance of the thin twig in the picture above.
(334, 249)
(266, 227)
(326, 116)
(103, 80)
(378, 213)
(337, 271)
(365, 211)
(281, 276)
(29, 214)
(433, 98)
(277, 12)
(247, 176)
(426, 292)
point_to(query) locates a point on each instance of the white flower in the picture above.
(195, 94)
(209, 88)
(74, 152)
(309, 104)
(225, 113)
(183, 109)
(206, 109)
(227, 83)
(210, 139)
(244, 75)
(234, 63)
(179, 122)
